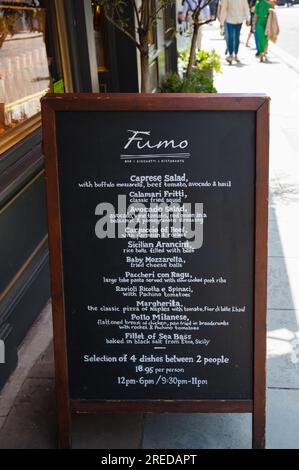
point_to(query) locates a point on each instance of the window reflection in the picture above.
(24, 71)
(99, 34)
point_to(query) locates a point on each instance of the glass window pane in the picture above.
(99, 34)
(24, 71)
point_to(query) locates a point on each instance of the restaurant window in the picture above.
(33, 61)
(100, 36)
(24, 71)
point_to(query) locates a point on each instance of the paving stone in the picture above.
(282, 419)
(283, 283)
(31, 423)
(282, 344)
(2, 421)
(285, 205)
(283, 238)
(35, 343)
(274, 242)
(197, 431)
(44, 367)
(107, 431)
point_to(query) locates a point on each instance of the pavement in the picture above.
(28, 418)
(288, 22)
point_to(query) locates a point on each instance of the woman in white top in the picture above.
(233, 13)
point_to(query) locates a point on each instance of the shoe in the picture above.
(257, 54)
(236, 58)
(229, 59)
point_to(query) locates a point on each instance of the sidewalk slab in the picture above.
(283, 239)
(35, 343)
(283, 419)
(283, 332)
(31, 423)
(274, 245)
(44, 367)
(107, 431)
(197, 431)
(286, 205)
(283, 290)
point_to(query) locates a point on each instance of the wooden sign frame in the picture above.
(159, 102)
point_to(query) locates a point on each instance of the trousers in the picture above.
(233, 33)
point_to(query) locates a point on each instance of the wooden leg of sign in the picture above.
(258, 428)
(260, 287)
(62, 396)
(64, 427)
(62, 388)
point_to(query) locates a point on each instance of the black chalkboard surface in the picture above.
(154, 271)
(222, 152)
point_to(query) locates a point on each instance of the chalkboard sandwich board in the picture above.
(157, 213)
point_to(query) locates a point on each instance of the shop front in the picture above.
(32, 63)
(50, 46)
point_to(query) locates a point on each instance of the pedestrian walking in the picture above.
(213, 8)
(252, 4)
(260, 20)
(188, 8)
(223, 28)
(233, 13)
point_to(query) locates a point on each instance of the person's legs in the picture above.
(256, 41)
(230, 37)
(266, 49)
(250, 31)
(248, 39)
(237, 37)
(234, 39)
(226, 36)
(262, 38)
